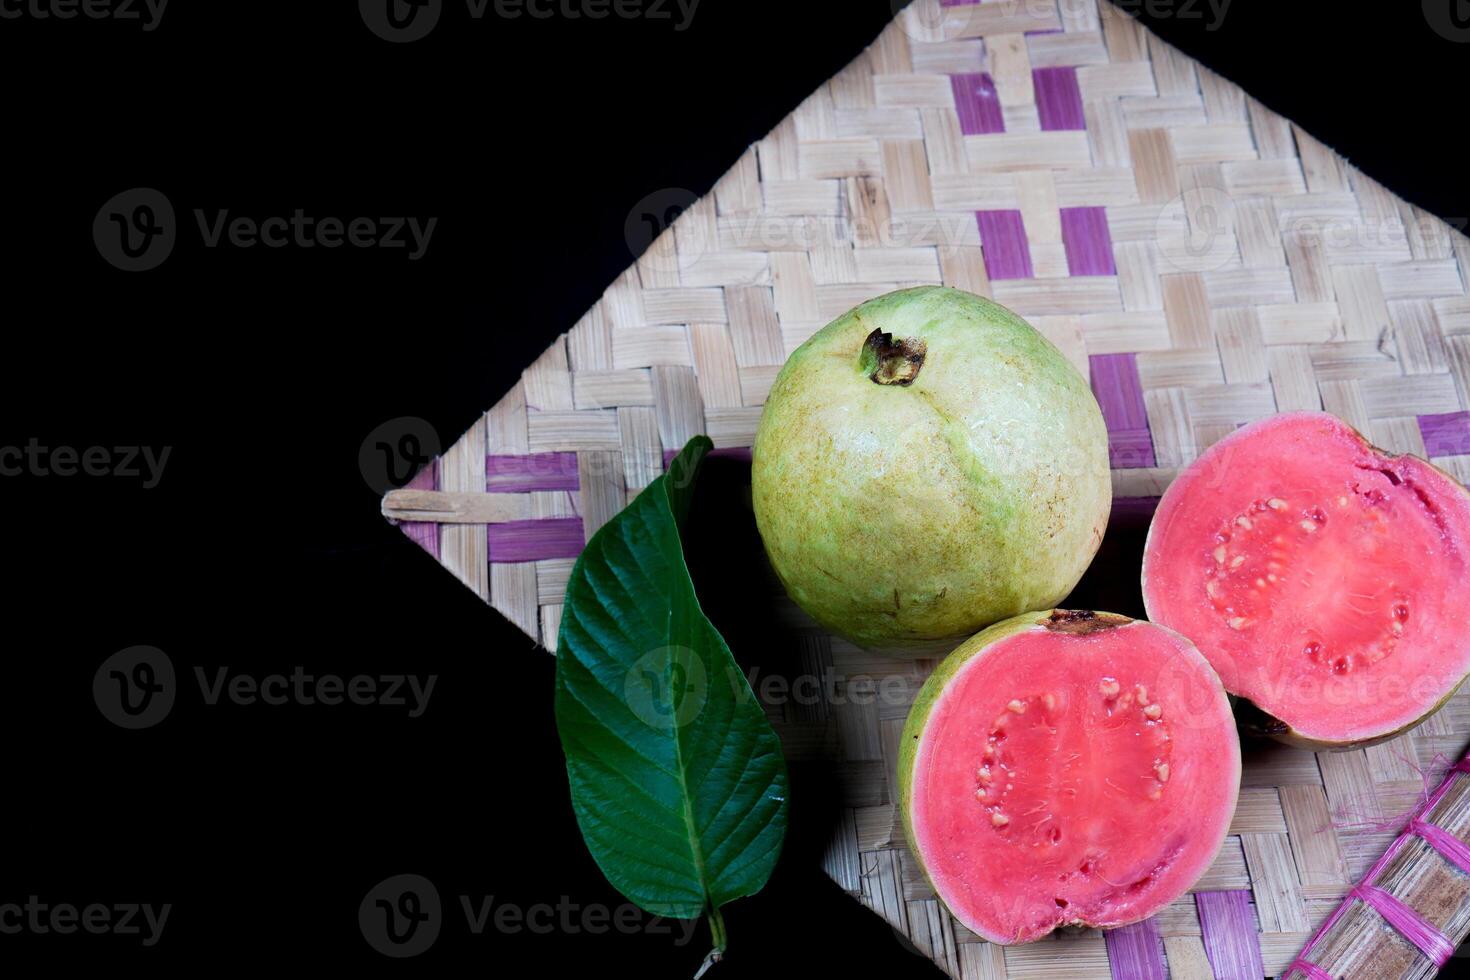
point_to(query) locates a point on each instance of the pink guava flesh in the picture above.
(1324, 579)
(1069, 772)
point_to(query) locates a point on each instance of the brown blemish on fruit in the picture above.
(897, 362)
(1082, 622)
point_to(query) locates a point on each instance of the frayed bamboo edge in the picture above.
(1434, 884)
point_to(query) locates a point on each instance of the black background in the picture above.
(262, 548)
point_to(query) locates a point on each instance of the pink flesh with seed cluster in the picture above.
(1325, 581)
(1073, 778)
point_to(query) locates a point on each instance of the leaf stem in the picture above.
(717, 936)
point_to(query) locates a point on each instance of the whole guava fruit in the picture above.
(928, 464)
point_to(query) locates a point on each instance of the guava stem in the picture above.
(892, 362)
(717, 936)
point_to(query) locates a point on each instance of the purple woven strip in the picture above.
(1231, 943)
(1088, 243)
(517, 541)
(1120, 394)
(1309, 970)
(425, 534)
(1428, 804)
(1058, 98)
(541, 471)
(1136, 952)
(977, 104)
(732, 452)
(1450, 847)
(1446, 435)
(1408, 923)
(1003, 244)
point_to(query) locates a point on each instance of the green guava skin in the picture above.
(902, 517)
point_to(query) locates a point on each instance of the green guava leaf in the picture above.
(677, 779)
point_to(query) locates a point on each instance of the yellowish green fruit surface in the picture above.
(926, 465)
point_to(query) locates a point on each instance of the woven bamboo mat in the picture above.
(1203, 259)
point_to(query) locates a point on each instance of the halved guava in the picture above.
(1067, 768)
(1327, 581)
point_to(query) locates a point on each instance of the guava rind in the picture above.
(1256, 718)
(1257, 721)
(912, 514)
(987, 640)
